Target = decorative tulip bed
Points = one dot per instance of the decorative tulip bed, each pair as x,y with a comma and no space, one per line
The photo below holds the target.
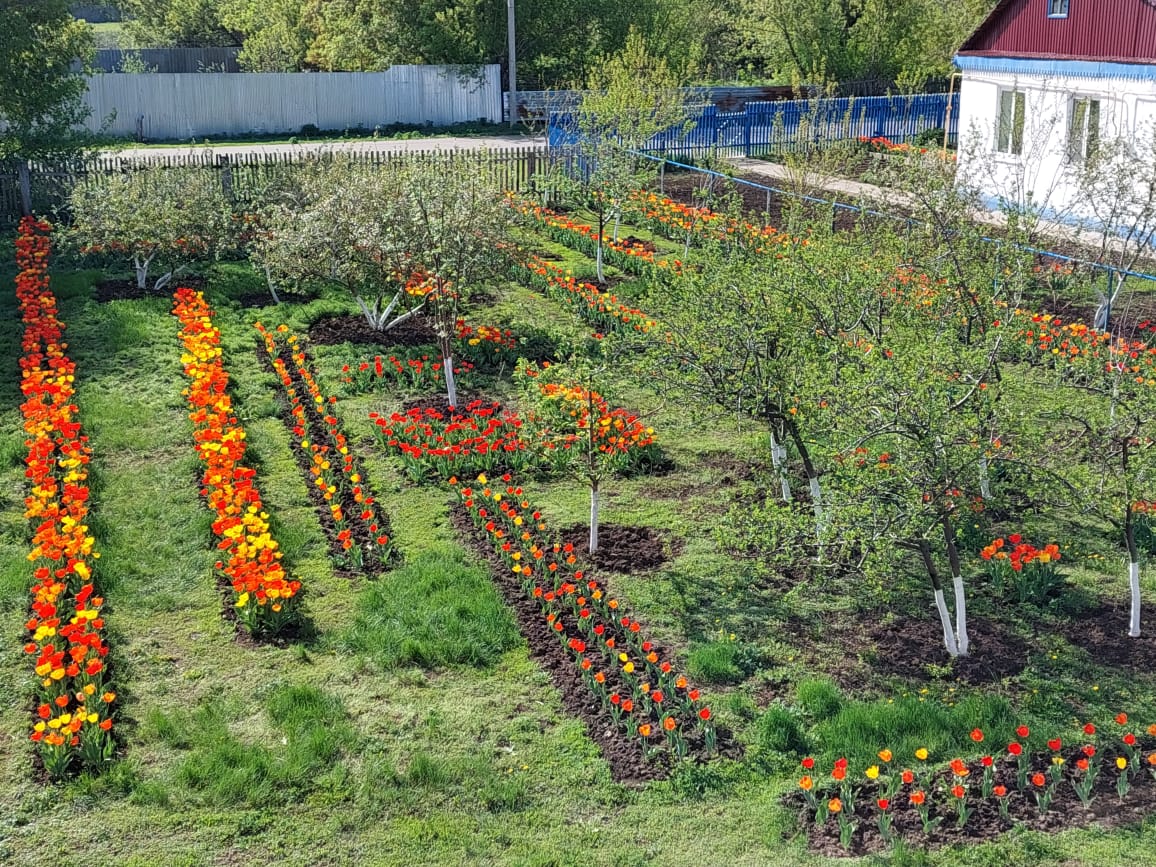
1109,774
264,598
74,696
358,531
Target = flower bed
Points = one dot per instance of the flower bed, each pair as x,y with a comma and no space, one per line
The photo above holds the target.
408,372
664,216
602,310
359,532
73,718
629,255
639,691
1034,781
265,599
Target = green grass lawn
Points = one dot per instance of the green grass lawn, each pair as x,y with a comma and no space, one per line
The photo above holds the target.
415,727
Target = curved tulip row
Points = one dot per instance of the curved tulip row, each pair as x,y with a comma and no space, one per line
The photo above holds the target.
265,598
603,310
1025,780
411,372
638,688
74,698
665,217
629,256
360,530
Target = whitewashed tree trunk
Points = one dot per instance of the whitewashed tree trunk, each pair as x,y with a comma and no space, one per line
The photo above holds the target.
617,223
142,269
984,478
272,287
598,262
593,518
961,639
778,460
1134,586
945,622
451,387
817,506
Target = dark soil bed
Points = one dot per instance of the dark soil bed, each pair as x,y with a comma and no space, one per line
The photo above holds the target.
352,328
994,653
628,762
985,822
1103,632
620,549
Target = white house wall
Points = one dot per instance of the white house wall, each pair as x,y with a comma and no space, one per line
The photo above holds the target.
192,105
1042,174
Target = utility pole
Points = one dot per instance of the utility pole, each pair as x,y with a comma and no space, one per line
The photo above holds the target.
513,63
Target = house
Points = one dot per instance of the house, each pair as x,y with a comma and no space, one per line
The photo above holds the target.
1045,85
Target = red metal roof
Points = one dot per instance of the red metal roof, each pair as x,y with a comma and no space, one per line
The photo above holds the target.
1121,31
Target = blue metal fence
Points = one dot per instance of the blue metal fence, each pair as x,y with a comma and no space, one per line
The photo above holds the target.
774,127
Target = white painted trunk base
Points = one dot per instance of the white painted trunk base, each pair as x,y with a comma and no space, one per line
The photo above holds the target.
451,387
779,460
961,638
593,520
1134,584
817,506
945,622
984,479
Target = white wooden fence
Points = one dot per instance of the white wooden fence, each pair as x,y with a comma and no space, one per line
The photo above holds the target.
181,106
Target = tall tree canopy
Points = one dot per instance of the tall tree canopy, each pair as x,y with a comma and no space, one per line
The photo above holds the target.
41,99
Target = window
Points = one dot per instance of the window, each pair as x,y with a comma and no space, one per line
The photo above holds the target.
1057,8
1009,132
1084,128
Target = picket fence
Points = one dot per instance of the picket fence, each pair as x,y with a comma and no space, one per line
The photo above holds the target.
244,176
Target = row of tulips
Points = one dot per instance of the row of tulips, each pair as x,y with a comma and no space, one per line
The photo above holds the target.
1028,778
637,686
430,443
360,531
674,220
629,255
415,372
264,596
74,697
602,310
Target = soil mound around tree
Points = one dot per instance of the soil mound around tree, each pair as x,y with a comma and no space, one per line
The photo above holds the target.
1103,632
621,549
352,328
906,646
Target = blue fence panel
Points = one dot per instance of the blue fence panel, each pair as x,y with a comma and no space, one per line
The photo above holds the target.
770,127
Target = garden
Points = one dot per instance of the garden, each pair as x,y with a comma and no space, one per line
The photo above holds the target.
397,516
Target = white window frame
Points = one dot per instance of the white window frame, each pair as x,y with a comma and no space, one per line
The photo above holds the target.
1013,125
1058,8
1085,111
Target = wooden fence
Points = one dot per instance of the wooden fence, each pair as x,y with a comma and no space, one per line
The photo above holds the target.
244,176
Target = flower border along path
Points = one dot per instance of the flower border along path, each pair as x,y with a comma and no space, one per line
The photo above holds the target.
74,696
265,599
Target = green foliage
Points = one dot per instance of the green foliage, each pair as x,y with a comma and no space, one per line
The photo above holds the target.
779,731
435,611
860,729
41,99
716,662
159,218
819,697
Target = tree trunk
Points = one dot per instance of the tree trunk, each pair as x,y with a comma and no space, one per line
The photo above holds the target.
593,517
451,387
1133,573
940,602
984,478
617,223
961,638
778,460
812,478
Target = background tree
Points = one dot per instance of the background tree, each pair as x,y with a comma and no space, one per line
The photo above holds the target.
162,219
41,99
162,23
